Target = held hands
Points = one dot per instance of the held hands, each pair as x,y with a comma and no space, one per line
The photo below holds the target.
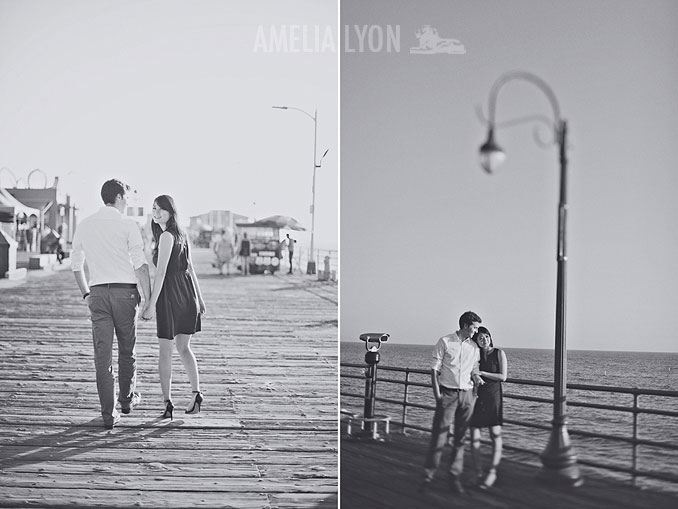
148,312
477,382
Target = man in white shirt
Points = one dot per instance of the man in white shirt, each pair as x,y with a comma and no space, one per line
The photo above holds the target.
454,371
114,250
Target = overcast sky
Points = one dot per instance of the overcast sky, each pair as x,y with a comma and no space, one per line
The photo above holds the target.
427,235
175,97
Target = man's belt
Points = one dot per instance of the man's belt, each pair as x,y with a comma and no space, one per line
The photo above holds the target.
115,285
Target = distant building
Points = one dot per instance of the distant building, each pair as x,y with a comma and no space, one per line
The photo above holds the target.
137,213
57,212
215,219
14,220
201,227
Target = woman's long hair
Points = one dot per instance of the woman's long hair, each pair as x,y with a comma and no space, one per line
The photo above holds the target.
166,202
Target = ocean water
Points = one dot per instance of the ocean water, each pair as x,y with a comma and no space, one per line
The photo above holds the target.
611,369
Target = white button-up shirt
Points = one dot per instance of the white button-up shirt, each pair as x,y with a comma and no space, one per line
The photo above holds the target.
112,245
456,360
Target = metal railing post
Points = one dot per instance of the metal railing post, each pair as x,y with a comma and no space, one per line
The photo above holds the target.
635,437
406,399
372,359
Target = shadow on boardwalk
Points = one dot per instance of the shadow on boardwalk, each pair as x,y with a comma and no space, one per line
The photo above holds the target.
267,435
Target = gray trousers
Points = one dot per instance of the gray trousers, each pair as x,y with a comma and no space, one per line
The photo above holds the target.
455,406
114,310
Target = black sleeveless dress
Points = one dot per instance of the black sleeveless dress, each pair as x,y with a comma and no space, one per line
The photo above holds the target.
488,410
177,310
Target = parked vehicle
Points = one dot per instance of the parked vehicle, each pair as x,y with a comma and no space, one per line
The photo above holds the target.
264,247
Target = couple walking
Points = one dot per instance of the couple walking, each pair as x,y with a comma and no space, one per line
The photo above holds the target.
113,249
466,377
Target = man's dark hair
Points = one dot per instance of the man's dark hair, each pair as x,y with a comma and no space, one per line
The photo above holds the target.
468,318
111,189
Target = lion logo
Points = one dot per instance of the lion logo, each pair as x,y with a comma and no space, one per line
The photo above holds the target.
430,42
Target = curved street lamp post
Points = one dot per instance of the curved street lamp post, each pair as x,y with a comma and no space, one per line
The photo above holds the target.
559,459
310,266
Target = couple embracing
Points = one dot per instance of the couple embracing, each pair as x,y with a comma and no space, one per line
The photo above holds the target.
466,377
112,246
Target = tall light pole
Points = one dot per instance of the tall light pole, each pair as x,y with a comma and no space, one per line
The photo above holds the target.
310,266
559,459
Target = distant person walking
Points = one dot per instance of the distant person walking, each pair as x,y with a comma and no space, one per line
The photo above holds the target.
177,300
53,239
224,251
114,250
453,374
245,254
488,410
290,249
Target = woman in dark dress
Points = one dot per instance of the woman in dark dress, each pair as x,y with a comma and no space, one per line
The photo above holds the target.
487,412
177,301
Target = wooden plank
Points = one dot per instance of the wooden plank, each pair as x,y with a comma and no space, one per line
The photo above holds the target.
267,435
120,497
221,470
108,455
161,481
388,474
183,439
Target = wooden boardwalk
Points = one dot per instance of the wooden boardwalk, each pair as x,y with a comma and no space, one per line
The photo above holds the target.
386,475
267,436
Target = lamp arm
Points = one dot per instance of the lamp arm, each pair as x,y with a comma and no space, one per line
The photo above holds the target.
545,143
319,163
303,111
542,119
541,85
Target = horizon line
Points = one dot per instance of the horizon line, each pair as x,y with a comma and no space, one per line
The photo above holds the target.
534,348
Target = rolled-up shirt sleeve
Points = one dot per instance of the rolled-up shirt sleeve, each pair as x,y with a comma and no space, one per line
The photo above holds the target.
135,245
78,254
438,354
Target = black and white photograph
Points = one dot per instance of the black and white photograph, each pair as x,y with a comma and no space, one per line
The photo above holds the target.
169,253
508,245
368,254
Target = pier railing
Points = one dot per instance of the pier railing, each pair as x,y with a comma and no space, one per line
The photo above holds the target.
302,255
401,392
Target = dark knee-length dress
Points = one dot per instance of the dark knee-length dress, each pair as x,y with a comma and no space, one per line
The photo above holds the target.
488,410
177,309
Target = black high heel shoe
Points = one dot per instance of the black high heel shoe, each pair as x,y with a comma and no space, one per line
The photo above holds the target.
197,401
169,410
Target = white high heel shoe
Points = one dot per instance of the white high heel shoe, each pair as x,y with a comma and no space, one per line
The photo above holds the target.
490,479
